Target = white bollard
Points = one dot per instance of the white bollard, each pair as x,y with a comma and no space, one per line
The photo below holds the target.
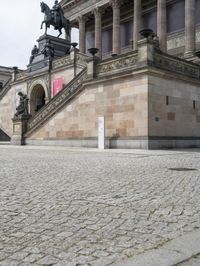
101,133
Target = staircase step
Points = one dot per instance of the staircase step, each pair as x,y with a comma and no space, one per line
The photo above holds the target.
4,142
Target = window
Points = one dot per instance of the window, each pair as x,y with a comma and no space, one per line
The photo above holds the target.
176,16
150,20
106,41
126,33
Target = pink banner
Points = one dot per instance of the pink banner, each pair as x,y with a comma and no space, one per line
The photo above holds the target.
57,85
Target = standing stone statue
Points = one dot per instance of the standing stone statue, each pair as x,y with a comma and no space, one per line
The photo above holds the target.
34,52
22,108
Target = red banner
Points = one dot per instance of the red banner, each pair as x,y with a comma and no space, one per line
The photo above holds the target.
57,85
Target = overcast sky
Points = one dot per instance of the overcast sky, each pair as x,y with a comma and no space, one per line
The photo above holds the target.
20,22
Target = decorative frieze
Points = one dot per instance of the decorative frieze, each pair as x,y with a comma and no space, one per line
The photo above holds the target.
82,59
21,75
110,66
61,62
44,78
175,65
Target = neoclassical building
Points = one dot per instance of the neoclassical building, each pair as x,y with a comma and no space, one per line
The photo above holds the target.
113,26
146,88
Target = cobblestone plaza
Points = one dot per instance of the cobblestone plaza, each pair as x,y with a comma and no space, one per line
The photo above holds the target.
62,206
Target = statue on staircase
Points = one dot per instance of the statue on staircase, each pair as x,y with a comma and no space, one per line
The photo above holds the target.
22,108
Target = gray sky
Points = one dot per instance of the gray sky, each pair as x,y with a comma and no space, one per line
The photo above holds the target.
20,22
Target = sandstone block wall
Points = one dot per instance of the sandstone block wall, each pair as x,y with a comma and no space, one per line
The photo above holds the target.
174,108
122,101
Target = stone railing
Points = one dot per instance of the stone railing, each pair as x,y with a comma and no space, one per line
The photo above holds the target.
177,40
117,64
82,59
57,103
175,65
5,89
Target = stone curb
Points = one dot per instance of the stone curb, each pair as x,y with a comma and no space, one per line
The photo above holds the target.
171,253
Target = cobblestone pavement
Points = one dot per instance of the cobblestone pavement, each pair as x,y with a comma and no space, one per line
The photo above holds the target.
194,261
70,207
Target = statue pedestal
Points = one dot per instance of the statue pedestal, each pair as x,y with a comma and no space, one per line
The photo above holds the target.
19,129
42,61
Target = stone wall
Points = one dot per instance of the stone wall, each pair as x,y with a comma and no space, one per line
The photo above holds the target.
174,111
122,101
7,110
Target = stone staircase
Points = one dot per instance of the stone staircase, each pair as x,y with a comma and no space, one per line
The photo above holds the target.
5,89
3,136
57,103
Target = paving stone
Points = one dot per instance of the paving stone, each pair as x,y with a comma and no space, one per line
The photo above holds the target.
68,206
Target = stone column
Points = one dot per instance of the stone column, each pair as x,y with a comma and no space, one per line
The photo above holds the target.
162,24
136,22
81,21
189,28
98,31
116,26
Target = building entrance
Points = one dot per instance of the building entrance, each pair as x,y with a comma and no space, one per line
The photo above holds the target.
37,99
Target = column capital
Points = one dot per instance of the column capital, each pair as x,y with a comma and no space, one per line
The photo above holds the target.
115,3
97,12
81,19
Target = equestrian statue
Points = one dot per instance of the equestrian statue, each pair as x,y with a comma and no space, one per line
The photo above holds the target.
56,18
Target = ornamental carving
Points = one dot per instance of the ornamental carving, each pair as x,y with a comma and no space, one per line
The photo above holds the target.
175,65
117,64
115,3
21,75
44,78
82,59
61,62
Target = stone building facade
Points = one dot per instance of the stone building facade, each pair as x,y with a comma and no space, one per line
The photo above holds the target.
113,25
149,94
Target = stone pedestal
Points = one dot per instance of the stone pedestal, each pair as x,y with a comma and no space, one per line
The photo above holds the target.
19,129
91,67
42,62
146,50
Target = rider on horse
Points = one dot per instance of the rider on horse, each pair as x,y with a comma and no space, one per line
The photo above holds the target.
58,14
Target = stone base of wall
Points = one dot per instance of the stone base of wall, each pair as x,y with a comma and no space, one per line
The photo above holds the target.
92,143
4,136
174,143
155,143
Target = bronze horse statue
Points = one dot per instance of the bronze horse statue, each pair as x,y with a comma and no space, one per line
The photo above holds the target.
55,18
